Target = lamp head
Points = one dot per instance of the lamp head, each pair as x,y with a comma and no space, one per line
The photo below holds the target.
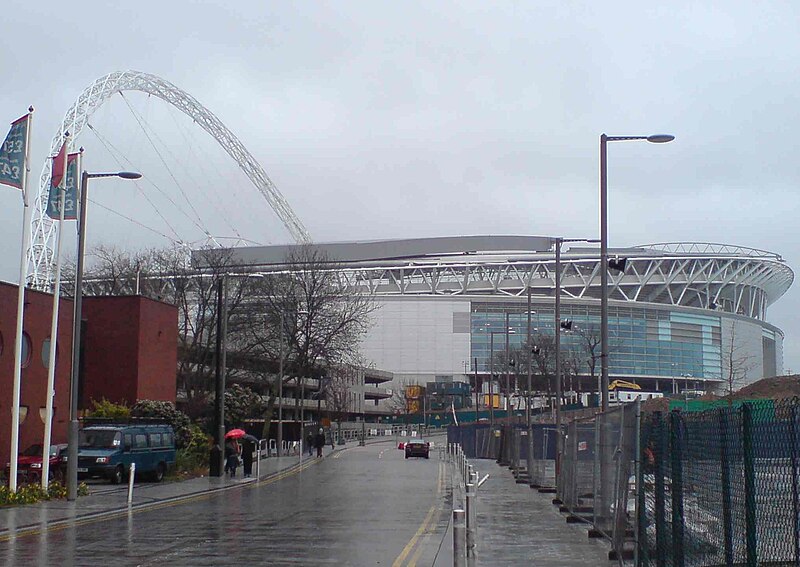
660,138
129,174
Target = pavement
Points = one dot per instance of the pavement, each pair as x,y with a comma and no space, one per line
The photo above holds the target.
520,526
362,507
105,499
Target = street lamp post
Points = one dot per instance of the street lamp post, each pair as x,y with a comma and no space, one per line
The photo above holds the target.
604,139
508,370
280,386
529,370
303,392
603,499
72,451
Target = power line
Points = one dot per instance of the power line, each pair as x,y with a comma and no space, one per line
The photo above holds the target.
134,221
109,146
111,149
164,162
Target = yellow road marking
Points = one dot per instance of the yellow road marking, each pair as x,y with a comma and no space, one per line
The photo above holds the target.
432,527
422,528
64,524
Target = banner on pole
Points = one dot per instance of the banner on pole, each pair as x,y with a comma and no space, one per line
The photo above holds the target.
12,153
71,195
58,166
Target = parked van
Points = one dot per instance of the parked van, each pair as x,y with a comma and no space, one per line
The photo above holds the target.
108,449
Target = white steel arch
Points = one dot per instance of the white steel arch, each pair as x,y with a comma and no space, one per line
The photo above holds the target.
40,254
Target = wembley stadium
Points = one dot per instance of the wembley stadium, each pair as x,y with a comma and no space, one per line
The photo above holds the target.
682,316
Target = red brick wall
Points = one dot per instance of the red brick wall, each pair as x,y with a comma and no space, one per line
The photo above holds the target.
110,350
158,351
130,349
37,319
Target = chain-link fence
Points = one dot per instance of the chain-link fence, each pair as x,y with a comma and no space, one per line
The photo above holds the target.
542,461
721,487
576,474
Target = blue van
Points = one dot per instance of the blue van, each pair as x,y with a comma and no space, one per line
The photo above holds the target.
107,450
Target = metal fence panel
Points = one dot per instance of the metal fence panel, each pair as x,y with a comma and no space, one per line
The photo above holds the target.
721,487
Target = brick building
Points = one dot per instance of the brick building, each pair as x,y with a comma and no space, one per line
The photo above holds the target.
129,353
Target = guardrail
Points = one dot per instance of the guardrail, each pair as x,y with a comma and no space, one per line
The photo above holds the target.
464,480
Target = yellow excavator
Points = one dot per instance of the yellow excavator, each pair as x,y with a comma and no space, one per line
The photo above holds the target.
623,385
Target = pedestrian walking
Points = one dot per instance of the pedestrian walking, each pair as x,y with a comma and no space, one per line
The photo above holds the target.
310,443
319,442
231,457
247,457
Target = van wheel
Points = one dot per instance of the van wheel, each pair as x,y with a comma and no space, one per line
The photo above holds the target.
118,475
158,475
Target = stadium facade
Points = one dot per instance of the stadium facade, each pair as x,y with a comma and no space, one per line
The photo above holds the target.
680,315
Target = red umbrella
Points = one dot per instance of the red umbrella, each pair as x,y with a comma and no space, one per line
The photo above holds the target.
235,434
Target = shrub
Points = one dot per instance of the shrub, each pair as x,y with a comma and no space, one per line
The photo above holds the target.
32,493
111,410
241,403
196,453
57,490
168,412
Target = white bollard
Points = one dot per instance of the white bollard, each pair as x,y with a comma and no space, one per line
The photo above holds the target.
471,527
131,476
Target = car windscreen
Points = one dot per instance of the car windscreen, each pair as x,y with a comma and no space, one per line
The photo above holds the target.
33,451
99,439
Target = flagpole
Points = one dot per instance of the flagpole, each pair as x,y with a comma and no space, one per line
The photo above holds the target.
51,359
23,265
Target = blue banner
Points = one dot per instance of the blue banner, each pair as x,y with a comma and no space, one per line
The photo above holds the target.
12,153
71,195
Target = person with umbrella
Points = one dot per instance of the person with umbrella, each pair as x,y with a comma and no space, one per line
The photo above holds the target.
248,446
232,450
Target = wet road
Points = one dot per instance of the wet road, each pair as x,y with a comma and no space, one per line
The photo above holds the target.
362,506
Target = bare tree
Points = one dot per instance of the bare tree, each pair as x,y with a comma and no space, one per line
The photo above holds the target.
307,316
339,398
736,363
543,353
399,402
304,316
592,351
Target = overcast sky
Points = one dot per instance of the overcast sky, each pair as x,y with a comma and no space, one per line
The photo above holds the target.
383,120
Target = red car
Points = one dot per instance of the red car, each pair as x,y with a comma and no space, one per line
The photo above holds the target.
29,462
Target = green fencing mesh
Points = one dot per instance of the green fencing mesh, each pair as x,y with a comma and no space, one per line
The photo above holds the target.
720,487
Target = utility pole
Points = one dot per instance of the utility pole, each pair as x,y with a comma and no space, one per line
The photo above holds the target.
280,386
508,371
491,378
477,405
529,356
219,371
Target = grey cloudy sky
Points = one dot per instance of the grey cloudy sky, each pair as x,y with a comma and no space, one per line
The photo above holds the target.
380,120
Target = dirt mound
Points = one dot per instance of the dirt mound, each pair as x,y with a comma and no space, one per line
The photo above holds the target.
656,404
776,388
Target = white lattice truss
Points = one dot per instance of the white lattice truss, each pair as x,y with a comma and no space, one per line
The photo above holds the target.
731,279
40,254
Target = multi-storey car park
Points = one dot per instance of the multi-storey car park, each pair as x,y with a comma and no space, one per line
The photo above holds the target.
679,315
